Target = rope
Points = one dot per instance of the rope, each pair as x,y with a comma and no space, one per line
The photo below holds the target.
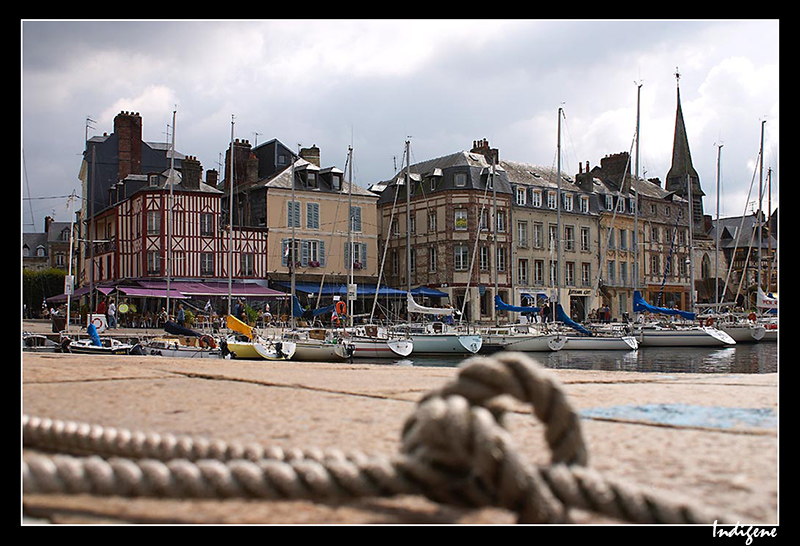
454,450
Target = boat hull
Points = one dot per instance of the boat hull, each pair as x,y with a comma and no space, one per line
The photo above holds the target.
366,347
744,333
311,351
275,350
446,343
601,343
687,337
525,342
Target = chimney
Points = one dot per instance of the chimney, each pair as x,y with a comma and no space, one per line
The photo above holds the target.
128,128
482,147
47,221
311,155
191,170
212,177
241,153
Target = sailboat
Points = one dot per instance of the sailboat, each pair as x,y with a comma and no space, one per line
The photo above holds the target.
439,337
246,343
526,337
183,342
672,334
317,344
370,340
578,337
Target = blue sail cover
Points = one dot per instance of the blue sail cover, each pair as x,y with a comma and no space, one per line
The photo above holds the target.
298,311
563,317
639,306
500,305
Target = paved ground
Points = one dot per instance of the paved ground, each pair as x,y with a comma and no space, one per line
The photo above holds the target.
712,439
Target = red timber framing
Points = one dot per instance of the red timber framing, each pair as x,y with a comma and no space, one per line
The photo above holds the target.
199,241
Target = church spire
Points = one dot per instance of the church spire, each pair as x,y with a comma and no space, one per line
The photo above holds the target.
682,167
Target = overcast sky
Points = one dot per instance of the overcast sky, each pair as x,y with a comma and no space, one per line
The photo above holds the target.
374,83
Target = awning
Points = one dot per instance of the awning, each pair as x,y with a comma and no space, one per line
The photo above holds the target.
429,292
339,289
150,292
197,289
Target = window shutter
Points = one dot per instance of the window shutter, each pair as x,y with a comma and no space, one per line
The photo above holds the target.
284,248
304,253
348,263
321,253
363,255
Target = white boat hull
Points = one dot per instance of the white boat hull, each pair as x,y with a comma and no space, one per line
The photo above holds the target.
368,347
601,343
275,350
701,336
525,342
321,351
744,333
446,343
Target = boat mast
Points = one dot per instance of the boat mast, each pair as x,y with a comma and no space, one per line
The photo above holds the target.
408,217
350,237
494,230
169,210
636,196
230,223
760,197
558,219
292,259
716,254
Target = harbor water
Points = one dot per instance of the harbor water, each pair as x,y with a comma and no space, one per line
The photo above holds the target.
744,358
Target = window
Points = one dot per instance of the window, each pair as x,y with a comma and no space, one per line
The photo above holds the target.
567,201
623,273
538,272
537,198
609,202
522,233
484,258
460,180
432,259
207,263
569,274
484,223
413,224
312,215
569,238
552,237
583,203
336,182
586,274
432,222
413,262
461,257
153,263
612,268
248,261
359,260
152,180
311,180
460,219
521,196
654,235
293,213
501,221
395,229
206,223
551,200
522,271
153,222
501,258
620,205
538,235
585,238
355,218
395,262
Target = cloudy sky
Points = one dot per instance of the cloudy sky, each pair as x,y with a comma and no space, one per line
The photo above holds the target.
375,83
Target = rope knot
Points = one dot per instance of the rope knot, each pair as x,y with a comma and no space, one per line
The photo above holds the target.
456,444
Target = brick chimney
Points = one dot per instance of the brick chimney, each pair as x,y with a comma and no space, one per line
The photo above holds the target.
244,169
212,177
128,128
311,155
482,147
192,170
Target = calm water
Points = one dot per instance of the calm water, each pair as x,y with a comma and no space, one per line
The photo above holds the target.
743,358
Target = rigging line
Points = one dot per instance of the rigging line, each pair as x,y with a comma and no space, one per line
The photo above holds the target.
28,186
383,258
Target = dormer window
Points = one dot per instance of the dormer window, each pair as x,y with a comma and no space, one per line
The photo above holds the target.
336,182
460,180
152,180
522,195
311,180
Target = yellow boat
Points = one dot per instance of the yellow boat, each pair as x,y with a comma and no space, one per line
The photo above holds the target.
254,347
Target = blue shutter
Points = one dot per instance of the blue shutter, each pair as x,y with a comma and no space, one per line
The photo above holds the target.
363,255
304,253
321,245
284,246
348,263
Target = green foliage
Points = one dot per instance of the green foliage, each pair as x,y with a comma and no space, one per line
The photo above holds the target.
250,314
40,285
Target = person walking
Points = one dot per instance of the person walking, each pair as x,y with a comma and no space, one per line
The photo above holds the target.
181,318
111,313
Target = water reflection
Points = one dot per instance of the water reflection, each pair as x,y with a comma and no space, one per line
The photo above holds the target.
743,358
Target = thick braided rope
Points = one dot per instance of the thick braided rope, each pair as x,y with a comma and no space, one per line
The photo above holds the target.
454,451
